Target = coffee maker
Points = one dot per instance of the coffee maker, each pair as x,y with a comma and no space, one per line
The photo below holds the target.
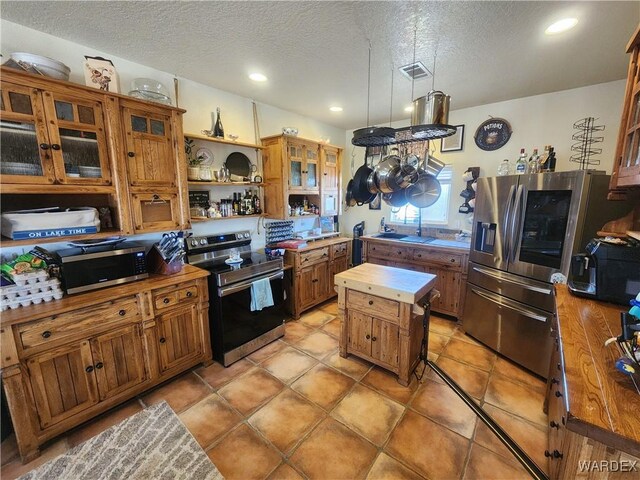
607,272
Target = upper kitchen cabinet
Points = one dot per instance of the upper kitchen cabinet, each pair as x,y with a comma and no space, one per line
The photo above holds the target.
150,159
53,135
296,166
626,169
330,161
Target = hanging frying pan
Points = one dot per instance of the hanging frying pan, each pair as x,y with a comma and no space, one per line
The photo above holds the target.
360,189
396,199
350,201
424,192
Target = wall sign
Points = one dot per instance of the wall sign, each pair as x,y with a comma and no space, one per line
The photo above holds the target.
493,134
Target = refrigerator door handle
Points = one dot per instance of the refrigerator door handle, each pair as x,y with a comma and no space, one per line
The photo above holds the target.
515,223
506,238
488,273
502,303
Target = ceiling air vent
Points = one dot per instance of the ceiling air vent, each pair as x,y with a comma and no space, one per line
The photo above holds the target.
415,71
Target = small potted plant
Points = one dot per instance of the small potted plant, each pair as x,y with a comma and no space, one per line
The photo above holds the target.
194,161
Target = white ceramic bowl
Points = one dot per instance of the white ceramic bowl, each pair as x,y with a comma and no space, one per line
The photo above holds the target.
48,66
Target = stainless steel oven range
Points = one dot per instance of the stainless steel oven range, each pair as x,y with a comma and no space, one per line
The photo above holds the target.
236,330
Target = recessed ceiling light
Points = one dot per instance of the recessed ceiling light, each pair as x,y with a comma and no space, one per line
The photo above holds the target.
335,109
258,77
561,26
409,108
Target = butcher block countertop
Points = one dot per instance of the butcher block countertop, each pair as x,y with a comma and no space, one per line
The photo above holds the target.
603,403
320,243
388,282
80,300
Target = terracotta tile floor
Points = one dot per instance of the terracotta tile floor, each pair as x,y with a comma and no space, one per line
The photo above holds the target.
296,409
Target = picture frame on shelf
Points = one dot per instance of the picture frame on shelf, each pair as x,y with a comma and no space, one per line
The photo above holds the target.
455,142
100,73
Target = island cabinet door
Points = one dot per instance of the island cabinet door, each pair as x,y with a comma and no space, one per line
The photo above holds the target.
63,381
118,361
179,339
385,342
359,336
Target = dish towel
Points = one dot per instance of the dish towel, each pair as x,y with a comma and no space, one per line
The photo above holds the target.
261,296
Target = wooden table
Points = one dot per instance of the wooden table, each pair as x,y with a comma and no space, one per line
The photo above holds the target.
375,307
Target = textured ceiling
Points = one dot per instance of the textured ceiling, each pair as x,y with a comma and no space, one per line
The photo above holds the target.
315,53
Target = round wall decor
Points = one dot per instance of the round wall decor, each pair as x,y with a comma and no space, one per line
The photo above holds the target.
493,134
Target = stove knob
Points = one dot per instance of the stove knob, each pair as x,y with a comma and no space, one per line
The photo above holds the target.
203,241
246,235
194,242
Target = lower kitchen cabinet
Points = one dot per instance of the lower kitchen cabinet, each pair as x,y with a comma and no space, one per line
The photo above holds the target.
375,338
449,265
67,361
312,271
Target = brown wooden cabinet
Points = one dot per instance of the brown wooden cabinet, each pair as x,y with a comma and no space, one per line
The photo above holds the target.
67,361
296,166
313,269
449,265
374,337
626,167
67,145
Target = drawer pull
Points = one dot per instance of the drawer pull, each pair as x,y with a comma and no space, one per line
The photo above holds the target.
553,424
554,380
314,280
89,369
370,302
452,260
46,334
99,365
557,454
162,340
548,454
189,294
122,313
165,300
305,259
558,393
419,255
131,154
324,254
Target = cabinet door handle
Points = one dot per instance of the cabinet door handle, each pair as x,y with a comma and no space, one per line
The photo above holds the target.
419,255
55,146
89,369
548,454
558,394
44,146
165,300
99,365
162,340
324,254
452,260
553,424
131,154
189,294
122,313
367,336
46,334
373,339
554,380
370,302
557,454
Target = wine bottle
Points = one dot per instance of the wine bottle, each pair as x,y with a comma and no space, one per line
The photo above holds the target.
256,203
521,163
534,162
218,130
551,161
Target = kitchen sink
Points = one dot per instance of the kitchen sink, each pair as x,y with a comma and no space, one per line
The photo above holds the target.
416,239
395,236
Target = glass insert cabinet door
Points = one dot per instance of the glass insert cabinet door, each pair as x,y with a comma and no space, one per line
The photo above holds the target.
296,162
78,139
149,156
311,169
25,154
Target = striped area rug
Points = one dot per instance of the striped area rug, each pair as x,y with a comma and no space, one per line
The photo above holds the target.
152,444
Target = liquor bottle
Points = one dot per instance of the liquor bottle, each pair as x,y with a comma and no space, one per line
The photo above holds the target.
256,203
504,168
218,130
241,206
521,163
543,158
248,208
551,160
534,162
236,204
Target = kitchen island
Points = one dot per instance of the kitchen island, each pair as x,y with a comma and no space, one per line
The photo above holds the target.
446,259
66,361
377,319
593,408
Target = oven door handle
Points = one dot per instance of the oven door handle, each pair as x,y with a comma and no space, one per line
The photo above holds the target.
223,292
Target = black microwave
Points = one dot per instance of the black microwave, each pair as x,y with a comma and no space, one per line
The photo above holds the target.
98,267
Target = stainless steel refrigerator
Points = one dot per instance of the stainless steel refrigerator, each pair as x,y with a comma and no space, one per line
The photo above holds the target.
526,229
